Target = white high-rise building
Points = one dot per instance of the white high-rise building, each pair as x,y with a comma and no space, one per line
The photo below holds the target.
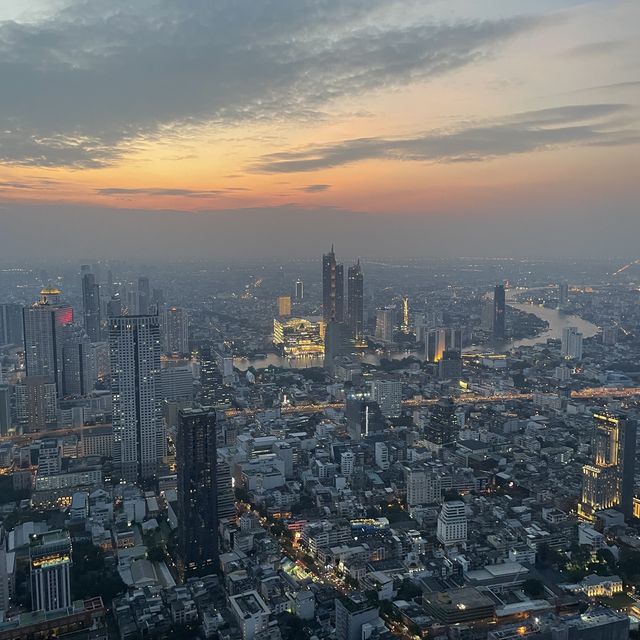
452,523
138,433
50,561
388,395
175,330
347,463
571,344
423,486
382,456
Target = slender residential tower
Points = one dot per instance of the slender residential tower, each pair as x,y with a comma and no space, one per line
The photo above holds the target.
138,434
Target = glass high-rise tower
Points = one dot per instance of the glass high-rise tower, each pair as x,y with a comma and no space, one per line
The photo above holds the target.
196,459
45,324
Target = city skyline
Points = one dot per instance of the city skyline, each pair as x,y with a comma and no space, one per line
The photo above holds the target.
415,128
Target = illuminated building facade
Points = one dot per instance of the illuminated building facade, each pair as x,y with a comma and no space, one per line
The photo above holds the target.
284,306
437,341
44,325
332,288
355,300
609,480
405,325
297,337
138,433
50,563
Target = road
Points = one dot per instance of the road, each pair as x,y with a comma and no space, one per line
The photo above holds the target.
594,393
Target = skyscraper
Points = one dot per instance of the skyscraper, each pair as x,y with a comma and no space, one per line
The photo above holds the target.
452,523
284,306
405,324
35,403
332,288
175,330
5,407
385,324
134,345
355,300
336,343
363,416
44,326
197,490
79,372
563,294
571,347
50,563
144,296
10,324
437,341
91,306
388,394
213,391
299,290
609,480
499,311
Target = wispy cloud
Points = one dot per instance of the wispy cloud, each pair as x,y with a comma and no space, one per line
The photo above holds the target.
165,192
316,188
81,87
591,124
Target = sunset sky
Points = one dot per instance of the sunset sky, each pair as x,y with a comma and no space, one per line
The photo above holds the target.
474,127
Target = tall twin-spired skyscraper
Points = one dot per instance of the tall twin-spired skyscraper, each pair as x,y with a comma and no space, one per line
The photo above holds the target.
332,288
134,344
333,294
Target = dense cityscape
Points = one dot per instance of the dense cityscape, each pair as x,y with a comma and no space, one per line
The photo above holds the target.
319,320
423,448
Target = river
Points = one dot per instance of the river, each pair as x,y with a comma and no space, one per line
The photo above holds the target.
557,322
